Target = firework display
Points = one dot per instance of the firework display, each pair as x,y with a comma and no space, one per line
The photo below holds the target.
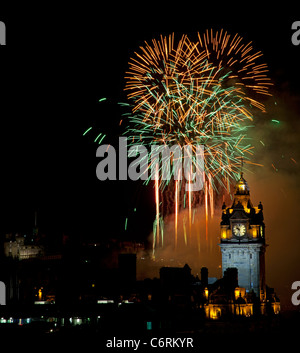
195,93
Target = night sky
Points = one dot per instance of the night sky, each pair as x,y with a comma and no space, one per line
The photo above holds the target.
56,66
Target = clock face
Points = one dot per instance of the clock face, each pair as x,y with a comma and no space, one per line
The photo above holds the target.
239,230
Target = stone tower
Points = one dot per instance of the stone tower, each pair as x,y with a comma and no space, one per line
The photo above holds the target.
243,240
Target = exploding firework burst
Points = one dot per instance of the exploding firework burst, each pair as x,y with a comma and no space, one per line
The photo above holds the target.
180,97
196,93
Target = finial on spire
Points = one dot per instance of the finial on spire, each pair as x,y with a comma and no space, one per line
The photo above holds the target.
242,165
241,187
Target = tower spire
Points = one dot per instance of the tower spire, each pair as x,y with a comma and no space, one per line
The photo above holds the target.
241,187
242,165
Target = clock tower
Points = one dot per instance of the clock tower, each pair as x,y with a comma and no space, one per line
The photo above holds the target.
243,240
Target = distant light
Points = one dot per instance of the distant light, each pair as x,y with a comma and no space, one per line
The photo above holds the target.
105,301
275,121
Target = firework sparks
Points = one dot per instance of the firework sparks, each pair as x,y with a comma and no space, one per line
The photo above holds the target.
195,93
240,60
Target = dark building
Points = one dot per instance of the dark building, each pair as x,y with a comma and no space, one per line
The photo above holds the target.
127,268
96,282
176,285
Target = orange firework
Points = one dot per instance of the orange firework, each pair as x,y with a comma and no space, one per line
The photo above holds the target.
232,54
